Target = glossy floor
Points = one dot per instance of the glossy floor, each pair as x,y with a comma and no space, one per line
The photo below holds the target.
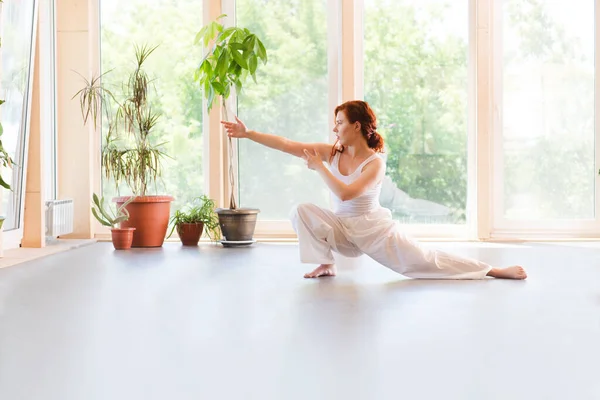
241,323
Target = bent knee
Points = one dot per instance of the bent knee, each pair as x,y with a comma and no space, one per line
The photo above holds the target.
300,210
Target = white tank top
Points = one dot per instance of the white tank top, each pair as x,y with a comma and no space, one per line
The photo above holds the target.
366,202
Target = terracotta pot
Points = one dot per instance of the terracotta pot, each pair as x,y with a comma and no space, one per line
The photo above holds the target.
190,233
149,215
122,237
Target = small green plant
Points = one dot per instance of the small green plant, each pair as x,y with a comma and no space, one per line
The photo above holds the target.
201,210
232,56
106,216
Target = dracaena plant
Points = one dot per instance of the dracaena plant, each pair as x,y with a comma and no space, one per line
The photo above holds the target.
128,154
232,54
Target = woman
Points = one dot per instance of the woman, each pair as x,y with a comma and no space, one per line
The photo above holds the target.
359,225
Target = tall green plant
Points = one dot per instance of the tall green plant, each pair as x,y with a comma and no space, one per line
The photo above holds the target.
233,54
128,153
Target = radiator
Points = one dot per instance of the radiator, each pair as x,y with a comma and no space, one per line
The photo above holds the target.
59,217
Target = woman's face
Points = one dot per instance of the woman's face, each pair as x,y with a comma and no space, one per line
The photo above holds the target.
346,132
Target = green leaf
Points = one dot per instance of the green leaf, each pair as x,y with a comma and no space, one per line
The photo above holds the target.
210,33
238,86
4,184
121,218
206,67
200,34
223,71
239,59
262,53
104,211
210,97
95,199
100,219
237,46
237,70
221,66
225,34
218,87
252,63
249,42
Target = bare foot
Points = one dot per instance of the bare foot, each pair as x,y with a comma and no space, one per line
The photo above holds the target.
322,270
514,272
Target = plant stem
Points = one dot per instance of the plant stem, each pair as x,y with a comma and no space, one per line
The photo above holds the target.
232,204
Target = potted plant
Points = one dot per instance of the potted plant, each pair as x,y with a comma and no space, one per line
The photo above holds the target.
130,153
191,223
232,56
121,236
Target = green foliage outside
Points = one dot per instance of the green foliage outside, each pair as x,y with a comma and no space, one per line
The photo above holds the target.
416,77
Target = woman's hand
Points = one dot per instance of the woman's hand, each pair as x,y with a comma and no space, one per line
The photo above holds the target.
313,160
235,129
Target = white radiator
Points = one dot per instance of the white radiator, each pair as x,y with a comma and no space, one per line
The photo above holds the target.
59,217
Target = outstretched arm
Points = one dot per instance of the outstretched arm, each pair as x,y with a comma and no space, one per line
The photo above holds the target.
238,130
372,173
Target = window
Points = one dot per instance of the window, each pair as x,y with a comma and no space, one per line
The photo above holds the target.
172,26
291,100
547,102
17,54
416,79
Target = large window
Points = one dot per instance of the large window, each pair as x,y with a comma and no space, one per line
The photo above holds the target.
290,100
416,79
487,104
16,72
172,26
547,101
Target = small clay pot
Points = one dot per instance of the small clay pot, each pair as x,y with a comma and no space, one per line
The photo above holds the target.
122,238
190,233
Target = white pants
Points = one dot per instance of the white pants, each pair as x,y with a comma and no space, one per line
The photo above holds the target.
377,235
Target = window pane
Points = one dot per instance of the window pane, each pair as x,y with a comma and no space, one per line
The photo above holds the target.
548,109
415,74
290,100
172,26
16,34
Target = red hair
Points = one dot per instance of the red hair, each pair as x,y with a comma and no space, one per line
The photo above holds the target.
360,111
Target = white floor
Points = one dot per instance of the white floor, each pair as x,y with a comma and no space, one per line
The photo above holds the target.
213,323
